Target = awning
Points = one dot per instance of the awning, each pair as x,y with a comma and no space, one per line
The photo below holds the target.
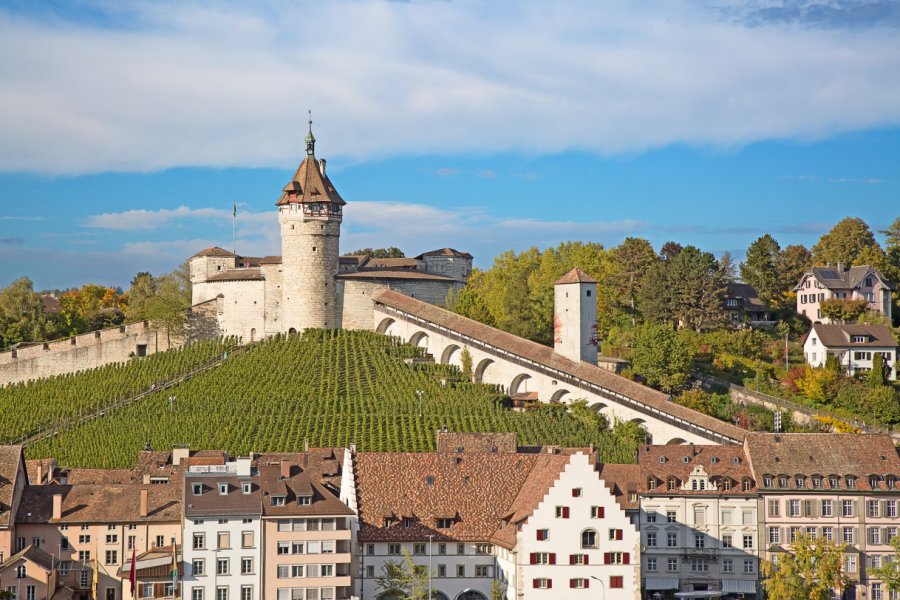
739,586
700,594
661,583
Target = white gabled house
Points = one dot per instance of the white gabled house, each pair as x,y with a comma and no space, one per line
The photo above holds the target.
854,346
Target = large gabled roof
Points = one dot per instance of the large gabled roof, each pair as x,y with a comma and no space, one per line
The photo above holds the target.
10,461
840,278
837,336
309,184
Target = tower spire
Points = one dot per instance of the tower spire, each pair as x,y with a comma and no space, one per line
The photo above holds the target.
310,139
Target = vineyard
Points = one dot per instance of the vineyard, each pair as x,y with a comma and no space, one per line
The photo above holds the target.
27,409
326,388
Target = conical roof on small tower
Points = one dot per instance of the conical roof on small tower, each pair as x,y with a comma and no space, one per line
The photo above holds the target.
310,183
576,275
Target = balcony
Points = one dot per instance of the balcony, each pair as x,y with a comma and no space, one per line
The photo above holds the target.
712,553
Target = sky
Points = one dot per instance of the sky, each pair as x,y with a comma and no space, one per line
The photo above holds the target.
128,129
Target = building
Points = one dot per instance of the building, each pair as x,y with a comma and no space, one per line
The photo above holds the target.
31,574
853,346
861,282
744,306
842,487
307,529
310,284
14,478
699,519
223,531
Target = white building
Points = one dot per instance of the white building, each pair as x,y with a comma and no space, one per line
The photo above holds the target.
222,532
854,347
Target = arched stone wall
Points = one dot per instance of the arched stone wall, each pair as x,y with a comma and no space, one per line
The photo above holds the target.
482,368
385,325
519,384
450,352
561,396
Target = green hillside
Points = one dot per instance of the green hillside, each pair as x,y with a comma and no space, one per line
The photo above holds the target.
327,388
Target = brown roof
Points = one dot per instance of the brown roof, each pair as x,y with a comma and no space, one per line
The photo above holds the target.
445,252
300,483
46,466
309,184
823,454
474,490
833,336
650,398
323,464
210,502
51,303
100,503
679,461
746,296
545,471
10,461
237,275
392,263
576,275
367,273
450,441
840,278
214,251
31,553
622,481
100,476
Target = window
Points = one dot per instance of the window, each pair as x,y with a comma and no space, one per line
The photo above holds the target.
481,571
419,549
828,533
576,492
727,565
672,564
651,517
827,508
774,535
876,591
224,540
246,592
774,508
283,571
793,508
578,559
589,538
222,566
875,535
699,565
890,507
198,566
851,483
112,539
84,539
20,572
670,516
562,512
671,540
847,508
197,489
800,482
112,557
890,533
811,533
223,489
746,484
284,548
847,535
793,532
749,566
817,482
578,583
726,540
441,571
651,539
699,540
543,558
767,481
615,534
651,564
84,555
543,534
460,570
442,548
278,500
672,484
850,563
444,523
598,512
616,582
748,541
110,594
394,549
160,541
460,548
296,571
872,508
246,539
304,500
782,481
542,583
246,566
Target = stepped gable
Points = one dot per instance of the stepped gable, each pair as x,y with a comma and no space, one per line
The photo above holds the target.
546,470
445,252
622,481
825,455
472,490
10,459
576,275
214,251
309,184
547,357
451,441
679,461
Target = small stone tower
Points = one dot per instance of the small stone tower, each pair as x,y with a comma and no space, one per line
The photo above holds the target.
575,316
309,212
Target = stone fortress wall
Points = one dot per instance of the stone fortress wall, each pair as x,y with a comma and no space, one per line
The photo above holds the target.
81,352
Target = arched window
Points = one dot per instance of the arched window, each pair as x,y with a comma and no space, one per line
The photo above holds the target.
651,483
673,483
588,538
20,572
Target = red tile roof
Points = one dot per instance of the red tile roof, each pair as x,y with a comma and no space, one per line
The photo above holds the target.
576,275
309,184
718,461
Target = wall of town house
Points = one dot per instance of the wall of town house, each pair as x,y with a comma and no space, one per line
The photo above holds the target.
473,555
816,354
37,578
210,553
81,352
564,538
517,379
48,537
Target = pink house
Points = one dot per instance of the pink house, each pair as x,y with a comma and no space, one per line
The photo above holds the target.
858,283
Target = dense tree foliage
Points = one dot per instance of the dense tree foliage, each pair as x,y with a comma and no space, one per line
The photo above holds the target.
633,259
811,570
685,290
662,358
843,310
22,317
391,252
850,242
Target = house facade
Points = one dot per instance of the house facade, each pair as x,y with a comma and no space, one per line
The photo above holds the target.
861,282
744,306
853,346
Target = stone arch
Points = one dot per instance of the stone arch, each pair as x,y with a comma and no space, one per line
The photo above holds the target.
252,335
385,325
676,441
519,384
638,420
597,406
481,368
292,331
420,339
447,354
561,396
471,594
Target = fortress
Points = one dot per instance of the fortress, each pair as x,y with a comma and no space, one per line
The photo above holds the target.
311,285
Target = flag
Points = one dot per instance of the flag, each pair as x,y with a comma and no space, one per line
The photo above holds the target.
96,578
174,569
132,577
234,209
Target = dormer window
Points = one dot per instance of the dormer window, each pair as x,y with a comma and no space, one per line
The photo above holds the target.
746,485
726,484
800,481
444,523
873,482
782,482
223,489
817,482
304,500
767,481
278,500
246,487
851,483
662,460
833,482
197,488
859,339
732,302
736,460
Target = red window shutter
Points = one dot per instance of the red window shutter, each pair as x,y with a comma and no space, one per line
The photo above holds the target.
549,583
585,559
626,558
618,534
606,558
553,558
587,582
571,583
535,583
533,558
601,511
565,512
571,559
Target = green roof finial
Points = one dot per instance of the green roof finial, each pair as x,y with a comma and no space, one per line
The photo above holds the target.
310,139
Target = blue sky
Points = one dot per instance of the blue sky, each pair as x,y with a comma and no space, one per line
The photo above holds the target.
128,129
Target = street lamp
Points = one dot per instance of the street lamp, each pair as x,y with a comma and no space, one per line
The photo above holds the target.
602,585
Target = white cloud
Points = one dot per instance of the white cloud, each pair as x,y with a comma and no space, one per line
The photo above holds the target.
157,85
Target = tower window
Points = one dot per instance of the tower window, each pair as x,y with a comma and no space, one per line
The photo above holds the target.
588,293
314,248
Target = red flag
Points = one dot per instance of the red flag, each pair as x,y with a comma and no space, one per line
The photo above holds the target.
131,576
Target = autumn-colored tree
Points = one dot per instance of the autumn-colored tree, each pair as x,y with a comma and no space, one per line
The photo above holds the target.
850,242
843,310
404,579
22,317
889,571
810,570
662,358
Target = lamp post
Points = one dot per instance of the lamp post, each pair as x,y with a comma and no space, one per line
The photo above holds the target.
602,586
430,537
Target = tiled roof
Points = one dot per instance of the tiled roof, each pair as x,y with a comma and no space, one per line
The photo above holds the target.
51,304
747,297
237,275
576,275
547,357
718,461
46,466
10,459
835,278
323,464
450,441
445,252
823,454
300,483
833,336
622,481
309,184
367,273
392,263
214,251
100,503
474,490
33,554
211,502
100,476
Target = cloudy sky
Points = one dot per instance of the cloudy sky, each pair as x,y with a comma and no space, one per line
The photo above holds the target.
127,130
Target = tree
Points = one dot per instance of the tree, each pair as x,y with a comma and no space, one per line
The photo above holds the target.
670,250
698,289
164,301
889,571
843,310
662,358
22,316
877,378
633,259
793,262
405,579
655,298
727,268
466,361
760,268
810,571
392,252
846,242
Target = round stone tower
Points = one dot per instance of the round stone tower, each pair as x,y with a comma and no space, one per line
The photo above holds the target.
309,212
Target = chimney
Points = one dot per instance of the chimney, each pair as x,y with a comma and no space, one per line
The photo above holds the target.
305,460
40,474
840,267
285,469
57,506
144,511
322,165
179,454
